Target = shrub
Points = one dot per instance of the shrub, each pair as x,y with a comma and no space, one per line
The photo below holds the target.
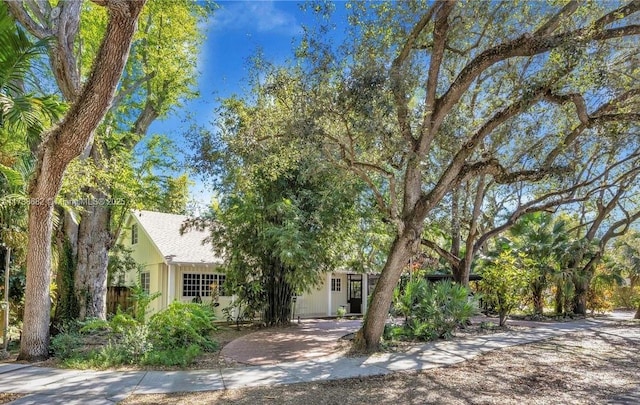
173,337
135,343
183,325
95,325
341,312
627,297
504,283
122,322
65,344
431,311
179,356
141,300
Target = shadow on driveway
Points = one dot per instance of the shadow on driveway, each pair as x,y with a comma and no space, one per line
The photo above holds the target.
311,339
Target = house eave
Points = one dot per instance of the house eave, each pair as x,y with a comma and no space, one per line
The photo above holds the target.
193,264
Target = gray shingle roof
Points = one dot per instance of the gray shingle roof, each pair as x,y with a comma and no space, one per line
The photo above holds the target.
164,231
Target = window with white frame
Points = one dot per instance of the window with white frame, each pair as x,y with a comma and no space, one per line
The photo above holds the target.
145,282
191,285
134,234
194,284
336,284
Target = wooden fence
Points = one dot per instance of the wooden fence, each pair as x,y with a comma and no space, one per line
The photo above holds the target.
118,297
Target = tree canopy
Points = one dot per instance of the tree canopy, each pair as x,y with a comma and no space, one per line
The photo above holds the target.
424,99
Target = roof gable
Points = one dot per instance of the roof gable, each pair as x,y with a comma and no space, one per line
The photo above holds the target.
164,231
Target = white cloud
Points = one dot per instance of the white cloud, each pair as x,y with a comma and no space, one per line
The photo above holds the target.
257,16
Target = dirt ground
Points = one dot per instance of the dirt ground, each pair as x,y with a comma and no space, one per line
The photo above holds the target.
586,367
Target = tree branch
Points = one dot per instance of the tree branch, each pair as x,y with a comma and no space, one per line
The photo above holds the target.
552,23
577,99
395,76
529,45
448,256
21,14
440,30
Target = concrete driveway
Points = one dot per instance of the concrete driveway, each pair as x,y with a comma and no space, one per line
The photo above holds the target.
311,339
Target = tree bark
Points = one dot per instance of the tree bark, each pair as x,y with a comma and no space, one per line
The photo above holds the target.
94,242
34,345
538,301
61,145
559,298
455,222
95,237
5,318
637,316
503,319
368,338
66,307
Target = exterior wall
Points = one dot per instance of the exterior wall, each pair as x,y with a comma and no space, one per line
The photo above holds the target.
144,252
314,304
224,301
146,255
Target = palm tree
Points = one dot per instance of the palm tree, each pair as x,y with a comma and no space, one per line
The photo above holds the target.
23,115
545,242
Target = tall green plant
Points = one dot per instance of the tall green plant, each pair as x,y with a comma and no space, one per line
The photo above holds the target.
432,310
504,283
544,242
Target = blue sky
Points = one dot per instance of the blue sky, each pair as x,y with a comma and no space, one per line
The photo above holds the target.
237,30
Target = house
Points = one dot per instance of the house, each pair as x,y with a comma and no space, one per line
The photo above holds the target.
182,268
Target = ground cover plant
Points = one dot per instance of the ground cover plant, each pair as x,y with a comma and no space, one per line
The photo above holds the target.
175,336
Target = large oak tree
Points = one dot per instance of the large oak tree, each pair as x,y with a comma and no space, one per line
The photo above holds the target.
424,97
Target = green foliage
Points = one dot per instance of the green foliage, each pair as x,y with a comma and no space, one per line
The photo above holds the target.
341,312
66,308
95,325
141,300
182,325
249,302
120,263
23,114
279,232
179,356
122,322
176,195
66,344
431,310
174,337
627,297
504,283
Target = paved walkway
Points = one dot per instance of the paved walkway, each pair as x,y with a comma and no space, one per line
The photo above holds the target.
311,339
55,386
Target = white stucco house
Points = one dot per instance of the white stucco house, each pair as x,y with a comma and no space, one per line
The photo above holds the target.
182,268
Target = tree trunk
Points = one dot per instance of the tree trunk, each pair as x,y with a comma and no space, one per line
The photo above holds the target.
559,299
5,318
503,319
62,144
94,242
455,222
462,271
368,338
580,297
34,345
538,301
637,316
